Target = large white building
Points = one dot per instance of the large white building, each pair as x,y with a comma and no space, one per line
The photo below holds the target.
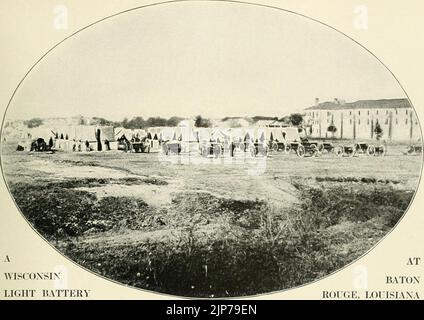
358,120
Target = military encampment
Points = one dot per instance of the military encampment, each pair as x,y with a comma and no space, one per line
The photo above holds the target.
210,149
185,199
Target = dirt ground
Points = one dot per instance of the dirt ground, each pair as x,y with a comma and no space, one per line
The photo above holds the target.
170,187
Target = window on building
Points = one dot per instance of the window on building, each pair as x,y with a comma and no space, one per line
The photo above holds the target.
387,121
368,112
406,121
359,112
368,121
350,113
406,111
387,111
359,121
396,111
376,112
350,121
396,121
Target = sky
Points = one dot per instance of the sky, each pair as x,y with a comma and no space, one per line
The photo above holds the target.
209,58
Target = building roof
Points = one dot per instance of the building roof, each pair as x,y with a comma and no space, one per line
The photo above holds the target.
363,104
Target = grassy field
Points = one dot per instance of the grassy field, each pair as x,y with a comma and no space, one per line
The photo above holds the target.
214,227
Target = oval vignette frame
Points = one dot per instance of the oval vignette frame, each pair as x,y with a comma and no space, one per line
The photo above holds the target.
214,1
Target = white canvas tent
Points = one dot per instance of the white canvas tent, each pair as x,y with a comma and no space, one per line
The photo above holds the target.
129,133
186,134
167,134
203,134
220,134
275,134
43,132
237,134
291,133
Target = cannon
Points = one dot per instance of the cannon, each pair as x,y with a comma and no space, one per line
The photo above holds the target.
327,147
413,149
360,148
305,148
276,146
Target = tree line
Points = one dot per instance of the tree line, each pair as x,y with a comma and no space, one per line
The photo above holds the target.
141,123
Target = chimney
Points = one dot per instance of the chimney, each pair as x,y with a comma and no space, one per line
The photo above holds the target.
316,102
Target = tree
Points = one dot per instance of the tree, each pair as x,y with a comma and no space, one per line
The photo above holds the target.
156,122
102,121
285,119
332,128
258,118
136,123
34,123
378,131
173,121
202,122
296,119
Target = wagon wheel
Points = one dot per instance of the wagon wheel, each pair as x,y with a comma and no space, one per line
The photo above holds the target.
320,147
410,150
338,151
287,148
314,150
274,147
371,150
382,150
167,150
300,151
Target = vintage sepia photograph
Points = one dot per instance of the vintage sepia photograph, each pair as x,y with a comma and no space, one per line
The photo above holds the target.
211,149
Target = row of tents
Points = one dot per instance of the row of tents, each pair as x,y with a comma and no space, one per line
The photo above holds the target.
193,134
106,137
